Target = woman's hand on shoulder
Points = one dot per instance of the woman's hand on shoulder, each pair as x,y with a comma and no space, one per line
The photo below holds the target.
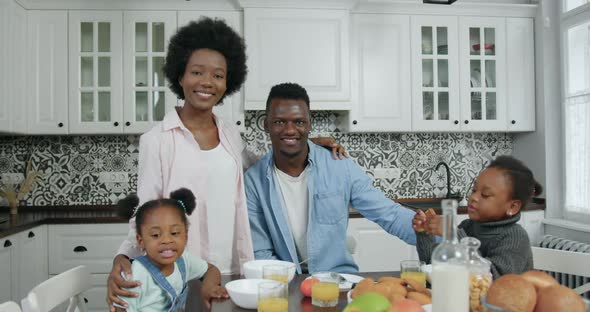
338,150
116,282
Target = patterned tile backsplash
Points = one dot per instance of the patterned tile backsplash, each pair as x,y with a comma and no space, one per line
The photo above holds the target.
71,166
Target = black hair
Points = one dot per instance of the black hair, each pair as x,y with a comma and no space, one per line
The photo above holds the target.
524,186
182,199
206,33
287,90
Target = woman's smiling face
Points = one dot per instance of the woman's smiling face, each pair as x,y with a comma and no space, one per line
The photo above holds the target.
204,80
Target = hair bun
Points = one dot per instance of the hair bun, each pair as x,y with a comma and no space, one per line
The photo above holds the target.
126,206
538,190
186,197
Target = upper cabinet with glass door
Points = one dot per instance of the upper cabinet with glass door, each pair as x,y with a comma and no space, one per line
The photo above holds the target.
482,57
435,82
146,95
95,72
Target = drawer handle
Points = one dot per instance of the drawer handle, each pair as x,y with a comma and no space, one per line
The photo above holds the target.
31,234
80,249
85,300
7,243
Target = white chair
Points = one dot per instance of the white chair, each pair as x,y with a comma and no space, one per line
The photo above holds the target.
9,306
561,261
58,289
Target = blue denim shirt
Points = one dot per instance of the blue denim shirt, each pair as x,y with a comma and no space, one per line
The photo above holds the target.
333,185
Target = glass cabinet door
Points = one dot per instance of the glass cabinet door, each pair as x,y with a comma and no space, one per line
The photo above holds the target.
95,80
147,97
435,85
482,59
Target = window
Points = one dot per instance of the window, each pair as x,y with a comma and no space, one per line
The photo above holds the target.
575,34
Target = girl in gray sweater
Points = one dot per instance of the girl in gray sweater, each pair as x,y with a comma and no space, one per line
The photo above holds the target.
498,195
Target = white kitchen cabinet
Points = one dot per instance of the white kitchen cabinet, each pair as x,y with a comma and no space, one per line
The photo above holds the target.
47,52
24,263
381,88
232,108
435,74
147,97
32,262
92,245
377,250
95,72
306,46
520,74
482,63
13,25
8,269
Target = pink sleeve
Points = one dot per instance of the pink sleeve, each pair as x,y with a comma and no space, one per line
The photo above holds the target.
149,186
149,168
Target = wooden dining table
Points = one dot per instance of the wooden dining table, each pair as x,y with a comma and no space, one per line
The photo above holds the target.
297,302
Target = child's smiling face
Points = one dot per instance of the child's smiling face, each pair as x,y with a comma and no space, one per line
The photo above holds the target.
163,236
491,197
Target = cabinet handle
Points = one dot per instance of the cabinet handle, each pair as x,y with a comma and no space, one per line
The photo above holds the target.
238,122
128,124
456,122
7,243
513,122
80,249
116,123
31,234
466,121
85,300
61,124
354,122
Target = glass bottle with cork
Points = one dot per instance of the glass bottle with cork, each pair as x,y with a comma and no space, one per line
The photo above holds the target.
450,272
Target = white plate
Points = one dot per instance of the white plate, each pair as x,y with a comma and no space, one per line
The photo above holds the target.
426,307
347,284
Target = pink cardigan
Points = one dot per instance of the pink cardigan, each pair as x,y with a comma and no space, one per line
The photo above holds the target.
170,158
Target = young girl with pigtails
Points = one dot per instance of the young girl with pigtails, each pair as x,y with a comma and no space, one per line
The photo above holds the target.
165,266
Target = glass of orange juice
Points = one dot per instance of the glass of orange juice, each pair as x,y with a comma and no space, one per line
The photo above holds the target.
325,293
273,296
412,269
279,273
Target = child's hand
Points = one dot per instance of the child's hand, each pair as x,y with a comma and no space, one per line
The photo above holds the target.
419,221
213,292
434,225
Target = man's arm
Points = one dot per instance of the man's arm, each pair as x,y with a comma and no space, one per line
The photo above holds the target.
375,206
261,240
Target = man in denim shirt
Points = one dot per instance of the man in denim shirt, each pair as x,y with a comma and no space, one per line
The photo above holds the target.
298,196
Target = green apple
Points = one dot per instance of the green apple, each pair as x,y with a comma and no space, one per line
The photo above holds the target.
368,302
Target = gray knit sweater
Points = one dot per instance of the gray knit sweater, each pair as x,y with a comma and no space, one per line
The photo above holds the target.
505,243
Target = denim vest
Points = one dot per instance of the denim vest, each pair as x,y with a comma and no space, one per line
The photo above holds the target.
178,300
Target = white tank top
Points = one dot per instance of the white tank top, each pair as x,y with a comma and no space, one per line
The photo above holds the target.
221,194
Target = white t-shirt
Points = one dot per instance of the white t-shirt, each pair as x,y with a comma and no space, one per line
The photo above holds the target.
221,193
152,298
295,201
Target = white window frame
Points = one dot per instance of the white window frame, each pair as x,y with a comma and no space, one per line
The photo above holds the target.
568,20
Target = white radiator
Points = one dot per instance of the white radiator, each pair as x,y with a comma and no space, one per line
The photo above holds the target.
560,243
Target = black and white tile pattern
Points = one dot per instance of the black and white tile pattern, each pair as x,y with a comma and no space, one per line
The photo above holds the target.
71,165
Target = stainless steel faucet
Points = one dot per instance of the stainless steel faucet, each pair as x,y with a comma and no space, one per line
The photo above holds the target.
449,192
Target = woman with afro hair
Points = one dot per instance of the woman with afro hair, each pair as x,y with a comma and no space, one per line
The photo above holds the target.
195,149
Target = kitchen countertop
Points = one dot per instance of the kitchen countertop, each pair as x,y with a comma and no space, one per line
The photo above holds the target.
535,204
30,217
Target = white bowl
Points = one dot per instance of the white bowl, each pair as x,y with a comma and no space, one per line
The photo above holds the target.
253,269
244,292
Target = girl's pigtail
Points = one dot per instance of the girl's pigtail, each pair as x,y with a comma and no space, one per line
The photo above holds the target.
185,198
126,207
538,189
